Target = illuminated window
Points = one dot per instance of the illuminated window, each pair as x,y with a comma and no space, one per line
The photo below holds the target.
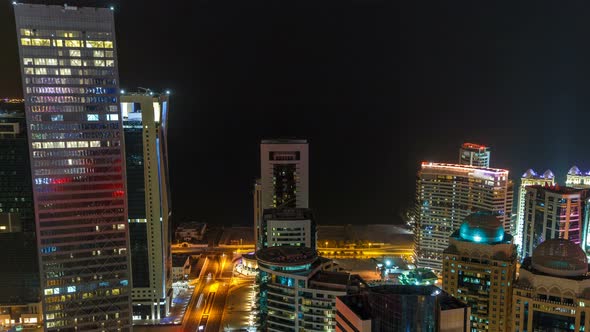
99,63
76,62
75,53
29,71
58,43
110,63
92,117
98,54
95,144
73,43
71,289
65,71
95,44
40,71
57,117
28,61
40,42
108,44
112,117
25,41
109,54
26,32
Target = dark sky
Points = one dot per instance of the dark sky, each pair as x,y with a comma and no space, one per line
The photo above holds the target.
375,86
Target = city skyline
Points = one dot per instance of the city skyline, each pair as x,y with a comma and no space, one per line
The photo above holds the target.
225,96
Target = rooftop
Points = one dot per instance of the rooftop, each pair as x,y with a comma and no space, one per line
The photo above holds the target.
560,257
340,278
557,189
287,255
474,146
284,141
482,227
531,174
463,168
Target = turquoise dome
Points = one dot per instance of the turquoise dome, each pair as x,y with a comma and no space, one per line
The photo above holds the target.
482,227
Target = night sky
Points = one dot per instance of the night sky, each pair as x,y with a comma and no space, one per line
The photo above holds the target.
375,87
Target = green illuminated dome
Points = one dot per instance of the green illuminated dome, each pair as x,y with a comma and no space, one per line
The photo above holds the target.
482,227
560,257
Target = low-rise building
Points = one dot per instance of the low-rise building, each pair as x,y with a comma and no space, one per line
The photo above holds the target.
190,232
181,267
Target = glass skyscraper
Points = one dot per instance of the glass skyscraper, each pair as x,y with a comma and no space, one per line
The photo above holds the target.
70,81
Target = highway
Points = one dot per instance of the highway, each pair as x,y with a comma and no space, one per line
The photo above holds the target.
205,309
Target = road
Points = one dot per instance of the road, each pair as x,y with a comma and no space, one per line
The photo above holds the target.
205,309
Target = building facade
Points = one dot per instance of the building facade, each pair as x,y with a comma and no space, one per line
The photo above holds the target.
552,292
258,209
297,292
445,195
576,179
70,80
553,212
145,118
479,267
401,308
529,178
288,227
474,155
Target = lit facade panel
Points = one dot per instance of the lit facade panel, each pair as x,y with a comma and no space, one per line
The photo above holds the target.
70,82
553,212
474,155
288,227
446,194
145,117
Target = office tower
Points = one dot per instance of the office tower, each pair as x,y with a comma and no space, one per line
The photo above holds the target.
479,267
551,293
576,179
20,301
529,178
70,82
288,227
446,194
257,213
553,212
284,173
297,293
474,155
401,308
284,179
145,117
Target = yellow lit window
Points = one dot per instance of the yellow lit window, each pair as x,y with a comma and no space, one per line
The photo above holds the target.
108,44
51,62
29,71
26,32
75,53
116,291
73,43
76,62
28,61
25,41
94,44
65,71
98,54
109,54
110,63
99,63
95,144
40,42
58,43
40,71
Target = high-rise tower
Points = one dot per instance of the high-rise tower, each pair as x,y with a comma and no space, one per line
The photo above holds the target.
474,155
70,80
145,118
529,178
446,194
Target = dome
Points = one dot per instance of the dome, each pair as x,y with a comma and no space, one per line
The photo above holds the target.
574,171
560,257
548,175
482,227
530,173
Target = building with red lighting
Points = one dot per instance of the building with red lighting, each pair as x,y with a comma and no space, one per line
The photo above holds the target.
474,155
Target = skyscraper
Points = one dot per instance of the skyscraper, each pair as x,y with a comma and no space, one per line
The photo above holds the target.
551,293
284,181
446,194
553,212
479,267
70,82
529,178
145,117
474,155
